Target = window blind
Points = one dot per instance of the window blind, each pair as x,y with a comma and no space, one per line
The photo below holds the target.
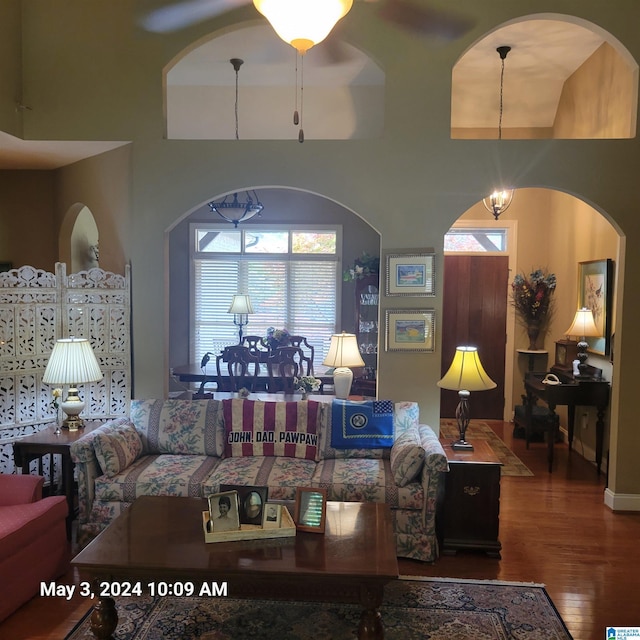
292,293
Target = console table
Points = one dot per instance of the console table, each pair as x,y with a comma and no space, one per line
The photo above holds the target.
587,391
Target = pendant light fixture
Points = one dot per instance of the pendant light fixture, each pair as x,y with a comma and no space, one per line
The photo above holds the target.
236,211
302,24
498,202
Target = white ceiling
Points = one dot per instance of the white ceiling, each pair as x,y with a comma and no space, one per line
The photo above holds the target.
269,61
545,52
47,154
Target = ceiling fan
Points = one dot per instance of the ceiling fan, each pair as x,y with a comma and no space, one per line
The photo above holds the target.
412,15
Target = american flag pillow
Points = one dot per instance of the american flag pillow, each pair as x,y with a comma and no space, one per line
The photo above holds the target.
257,428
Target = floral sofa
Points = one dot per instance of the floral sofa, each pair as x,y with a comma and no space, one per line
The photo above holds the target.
191,447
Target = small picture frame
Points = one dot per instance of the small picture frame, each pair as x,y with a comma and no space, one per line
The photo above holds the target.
311,509
251,502
271,515
224,511
411,274
410,330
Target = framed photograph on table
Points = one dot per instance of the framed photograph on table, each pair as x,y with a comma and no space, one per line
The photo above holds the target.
271,516
410,330
595,292
223,511
411,274
251,501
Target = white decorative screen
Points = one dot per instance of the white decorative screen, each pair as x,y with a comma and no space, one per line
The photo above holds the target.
37,308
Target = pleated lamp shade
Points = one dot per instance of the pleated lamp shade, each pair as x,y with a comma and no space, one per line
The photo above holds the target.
72,362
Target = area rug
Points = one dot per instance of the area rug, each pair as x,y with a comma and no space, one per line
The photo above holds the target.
413,609
511,464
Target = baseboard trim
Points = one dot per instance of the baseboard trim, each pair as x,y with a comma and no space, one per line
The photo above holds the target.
621,501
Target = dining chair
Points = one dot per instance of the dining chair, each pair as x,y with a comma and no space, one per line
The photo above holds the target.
255,344
233,367
307,349
283,365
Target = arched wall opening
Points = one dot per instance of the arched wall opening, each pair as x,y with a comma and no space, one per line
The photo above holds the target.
282,206
556,231
564,78
343,89
78,240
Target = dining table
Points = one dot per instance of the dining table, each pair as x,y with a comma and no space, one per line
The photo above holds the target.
194,373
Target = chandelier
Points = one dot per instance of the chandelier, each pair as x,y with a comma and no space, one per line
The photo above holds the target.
498,202
236,211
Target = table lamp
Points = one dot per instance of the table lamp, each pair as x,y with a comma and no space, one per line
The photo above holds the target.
465,374
583,326
241,308
72,362
343,353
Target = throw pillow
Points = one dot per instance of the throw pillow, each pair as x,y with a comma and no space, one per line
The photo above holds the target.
407,457
367,424
117,447
256,428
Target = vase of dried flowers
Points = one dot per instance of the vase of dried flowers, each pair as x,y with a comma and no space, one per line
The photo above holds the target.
532,298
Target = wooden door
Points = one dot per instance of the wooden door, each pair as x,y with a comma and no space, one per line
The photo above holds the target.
475,313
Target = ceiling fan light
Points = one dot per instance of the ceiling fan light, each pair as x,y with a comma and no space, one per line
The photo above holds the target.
498,202
303,23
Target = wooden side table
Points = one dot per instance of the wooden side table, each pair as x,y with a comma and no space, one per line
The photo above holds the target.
46,442
471,509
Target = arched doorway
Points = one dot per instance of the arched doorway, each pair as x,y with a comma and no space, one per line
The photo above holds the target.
556,231
283,208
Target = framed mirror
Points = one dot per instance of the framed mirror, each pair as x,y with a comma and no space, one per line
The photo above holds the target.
311,509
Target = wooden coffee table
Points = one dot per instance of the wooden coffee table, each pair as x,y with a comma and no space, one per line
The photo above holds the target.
157,545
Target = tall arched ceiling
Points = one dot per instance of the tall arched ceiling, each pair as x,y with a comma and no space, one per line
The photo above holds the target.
556,68
343,89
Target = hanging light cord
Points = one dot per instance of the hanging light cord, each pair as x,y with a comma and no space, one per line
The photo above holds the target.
237,63
301,132
501,93
297,116
503,51
236,105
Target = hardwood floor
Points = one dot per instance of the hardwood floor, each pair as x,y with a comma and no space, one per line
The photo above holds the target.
554,529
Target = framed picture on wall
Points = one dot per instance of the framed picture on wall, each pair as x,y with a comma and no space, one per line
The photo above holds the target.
411,274
410,330
595,292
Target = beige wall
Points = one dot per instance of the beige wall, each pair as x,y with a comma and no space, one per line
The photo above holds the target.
599,99
10,71
28,230
90,75
103,185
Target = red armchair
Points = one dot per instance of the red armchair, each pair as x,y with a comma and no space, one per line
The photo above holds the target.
33,539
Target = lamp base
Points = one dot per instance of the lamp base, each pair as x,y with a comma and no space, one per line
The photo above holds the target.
73,423
73,406
461,445
462,418
342,379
